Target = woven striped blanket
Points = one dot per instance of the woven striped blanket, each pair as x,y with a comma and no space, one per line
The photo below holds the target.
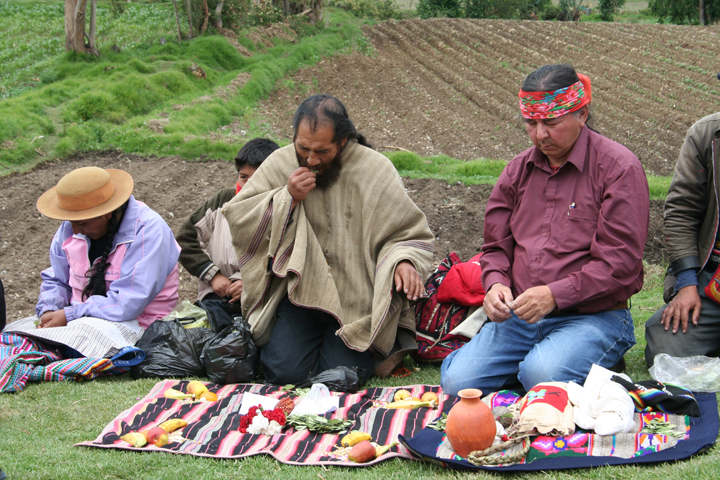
92,337
212,429
23,360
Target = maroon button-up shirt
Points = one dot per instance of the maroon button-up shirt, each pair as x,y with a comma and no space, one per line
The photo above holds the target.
580,231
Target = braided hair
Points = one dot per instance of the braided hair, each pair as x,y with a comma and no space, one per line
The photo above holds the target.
96,273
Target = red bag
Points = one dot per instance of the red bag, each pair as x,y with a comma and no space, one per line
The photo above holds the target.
434,320
462,284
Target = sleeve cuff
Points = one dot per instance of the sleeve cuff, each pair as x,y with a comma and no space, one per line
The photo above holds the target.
685,278
564,293
70,313
209,272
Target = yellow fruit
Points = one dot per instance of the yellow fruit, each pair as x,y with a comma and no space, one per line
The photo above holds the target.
429,397
135,439
382,449
209,396
196,388
176,394
410,404
354,437
172,425
401,395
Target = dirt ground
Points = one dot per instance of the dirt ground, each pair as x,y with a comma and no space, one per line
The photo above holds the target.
174,188
438,86
449,86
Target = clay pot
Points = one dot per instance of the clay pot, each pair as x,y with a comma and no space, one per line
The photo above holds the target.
470,424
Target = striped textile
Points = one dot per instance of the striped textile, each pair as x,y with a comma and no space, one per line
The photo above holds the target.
92,337
212,429
24,360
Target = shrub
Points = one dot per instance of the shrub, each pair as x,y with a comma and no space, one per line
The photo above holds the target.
439,8
608,8
376,9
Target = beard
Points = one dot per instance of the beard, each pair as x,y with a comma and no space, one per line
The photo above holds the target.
329,174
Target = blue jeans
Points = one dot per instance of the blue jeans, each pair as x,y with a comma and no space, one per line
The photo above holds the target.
555,349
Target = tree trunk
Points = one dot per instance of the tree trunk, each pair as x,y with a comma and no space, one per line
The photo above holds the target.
286,7
218,14
69,24
79,32
93,23
177,20
703,20
189,12
317,10
207,15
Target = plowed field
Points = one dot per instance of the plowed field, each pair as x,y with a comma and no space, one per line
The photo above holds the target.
450,85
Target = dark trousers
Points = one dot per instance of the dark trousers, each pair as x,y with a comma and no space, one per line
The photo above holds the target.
303,343
700,339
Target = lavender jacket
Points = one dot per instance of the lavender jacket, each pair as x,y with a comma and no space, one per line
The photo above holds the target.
142,278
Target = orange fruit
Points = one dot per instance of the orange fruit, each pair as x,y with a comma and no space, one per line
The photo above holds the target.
429,397
209,396
401,395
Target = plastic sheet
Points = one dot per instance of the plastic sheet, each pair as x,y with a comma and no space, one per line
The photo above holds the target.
231,356
698,373
171,351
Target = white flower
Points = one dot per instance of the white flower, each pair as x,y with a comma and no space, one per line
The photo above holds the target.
259,424
274,428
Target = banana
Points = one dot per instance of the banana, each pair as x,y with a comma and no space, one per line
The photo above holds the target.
135,439
354,437
176,394
410,404
382,449
173,424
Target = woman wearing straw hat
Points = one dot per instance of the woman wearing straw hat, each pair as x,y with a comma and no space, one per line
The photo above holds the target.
112,257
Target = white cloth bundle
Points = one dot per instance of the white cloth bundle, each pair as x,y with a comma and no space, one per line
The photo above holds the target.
601,404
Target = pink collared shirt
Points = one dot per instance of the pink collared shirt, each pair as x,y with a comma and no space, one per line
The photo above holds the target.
581,231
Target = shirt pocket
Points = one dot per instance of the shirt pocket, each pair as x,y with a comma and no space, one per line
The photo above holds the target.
578,229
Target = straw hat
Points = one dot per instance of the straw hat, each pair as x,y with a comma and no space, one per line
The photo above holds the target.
85,193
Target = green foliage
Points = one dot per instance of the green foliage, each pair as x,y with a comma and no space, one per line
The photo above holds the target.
685,11
439,8
264,14
509,9
608,8
375,9
89,105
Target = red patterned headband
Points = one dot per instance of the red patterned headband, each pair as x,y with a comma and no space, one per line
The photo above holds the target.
542,105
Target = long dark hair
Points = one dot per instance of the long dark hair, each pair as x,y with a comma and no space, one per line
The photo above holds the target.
551,78
324,107
96,273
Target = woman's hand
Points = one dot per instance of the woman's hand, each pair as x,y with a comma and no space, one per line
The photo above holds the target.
53,319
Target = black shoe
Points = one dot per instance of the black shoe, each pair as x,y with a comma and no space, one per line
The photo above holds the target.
619,367
2,475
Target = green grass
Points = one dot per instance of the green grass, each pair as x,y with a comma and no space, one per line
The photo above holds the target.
40,425
481,171
33,36
88,103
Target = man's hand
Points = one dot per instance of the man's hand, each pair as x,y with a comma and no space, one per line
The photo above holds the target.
534,303
677,311
234,291
53,319
408,280
220,284
496,303
300,183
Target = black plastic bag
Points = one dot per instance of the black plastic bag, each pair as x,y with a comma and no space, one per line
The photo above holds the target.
171,351
339,379
231,357
221,313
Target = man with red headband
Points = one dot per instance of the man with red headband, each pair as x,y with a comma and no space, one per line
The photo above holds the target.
565,229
